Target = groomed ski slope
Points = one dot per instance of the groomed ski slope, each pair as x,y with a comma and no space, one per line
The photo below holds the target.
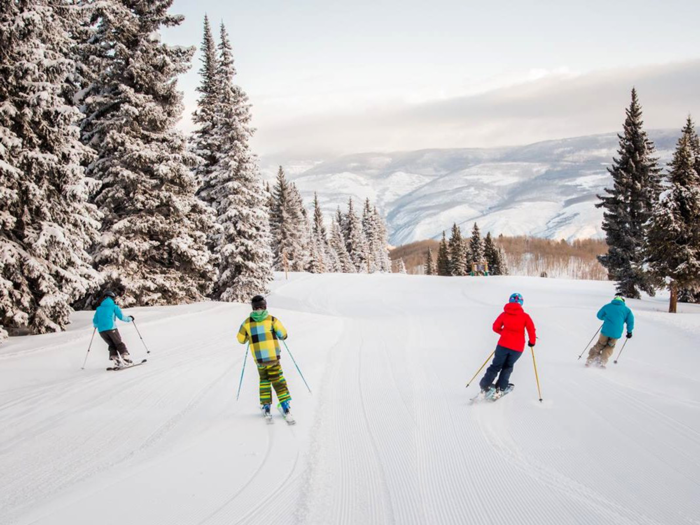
387,436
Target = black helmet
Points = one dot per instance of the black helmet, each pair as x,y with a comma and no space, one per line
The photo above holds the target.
258,303
109,293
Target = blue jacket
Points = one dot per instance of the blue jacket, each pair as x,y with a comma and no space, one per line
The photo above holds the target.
106,314
614,316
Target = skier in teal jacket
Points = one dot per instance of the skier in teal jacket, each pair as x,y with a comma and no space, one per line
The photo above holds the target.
615,315
104,321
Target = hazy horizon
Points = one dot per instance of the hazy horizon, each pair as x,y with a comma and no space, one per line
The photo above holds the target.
327,80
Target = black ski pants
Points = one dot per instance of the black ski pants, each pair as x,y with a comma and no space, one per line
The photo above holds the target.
114,342
503,362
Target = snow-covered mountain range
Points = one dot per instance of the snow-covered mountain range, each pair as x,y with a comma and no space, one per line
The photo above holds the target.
547,189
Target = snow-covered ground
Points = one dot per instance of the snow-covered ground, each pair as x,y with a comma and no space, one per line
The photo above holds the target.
387,435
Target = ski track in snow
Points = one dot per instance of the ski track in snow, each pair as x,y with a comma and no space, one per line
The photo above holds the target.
387,437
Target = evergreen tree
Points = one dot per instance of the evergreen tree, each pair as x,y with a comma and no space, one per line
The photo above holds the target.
443,258
236,191
458,264
153,238
628,205
491,255
673,244
401,267
382,243
429,263
369,227
355,240
476,248
319,237
337,243
502,262
289,227
202,141
47,225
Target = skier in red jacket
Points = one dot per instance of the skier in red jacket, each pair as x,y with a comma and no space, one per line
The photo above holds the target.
511,325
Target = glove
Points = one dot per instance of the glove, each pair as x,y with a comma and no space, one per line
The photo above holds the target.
531,345
629,335
132,317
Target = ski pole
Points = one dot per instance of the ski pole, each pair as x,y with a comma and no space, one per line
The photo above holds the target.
537,377
621,349
480,369
137,331
90,346
589,342
295,364
240,381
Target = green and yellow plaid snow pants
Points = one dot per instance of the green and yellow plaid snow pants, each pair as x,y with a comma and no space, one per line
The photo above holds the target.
272,375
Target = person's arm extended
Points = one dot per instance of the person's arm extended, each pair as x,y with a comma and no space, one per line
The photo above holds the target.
601,314
120,315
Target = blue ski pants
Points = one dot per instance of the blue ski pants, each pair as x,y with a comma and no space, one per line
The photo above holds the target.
503,362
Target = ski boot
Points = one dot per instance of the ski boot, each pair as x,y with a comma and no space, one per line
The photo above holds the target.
127,359
489,392
284,409
116,361
265,409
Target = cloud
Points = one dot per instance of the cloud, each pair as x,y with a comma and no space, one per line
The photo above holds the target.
548,105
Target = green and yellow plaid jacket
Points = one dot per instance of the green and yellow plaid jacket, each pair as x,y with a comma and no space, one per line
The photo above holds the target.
263,338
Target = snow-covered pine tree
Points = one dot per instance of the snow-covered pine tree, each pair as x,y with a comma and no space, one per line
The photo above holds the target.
476,248
337,243
458,265
382,247
429,267
320,240
202,141
492,255
355,240
443,258
237,192
401,267
502,262
673,241
371,231
628,205
153,240
47,225
289,227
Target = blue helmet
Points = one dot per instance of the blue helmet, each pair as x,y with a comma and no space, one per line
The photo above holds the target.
516,298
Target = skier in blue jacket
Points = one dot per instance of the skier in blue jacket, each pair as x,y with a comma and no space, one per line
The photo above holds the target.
104,321
615,315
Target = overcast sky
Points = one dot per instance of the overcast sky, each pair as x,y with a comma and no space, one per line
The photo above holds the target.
329,77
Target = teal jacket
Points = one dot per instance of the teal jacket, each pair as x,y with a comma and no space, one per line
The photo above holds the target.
614,316
106,314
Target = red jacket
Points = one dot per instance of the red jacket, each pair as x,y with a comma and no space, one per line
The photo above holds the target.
511,324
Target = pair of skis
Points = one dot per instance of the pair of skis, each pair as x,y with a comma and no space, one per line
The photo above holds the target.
124,367
492,395
288,417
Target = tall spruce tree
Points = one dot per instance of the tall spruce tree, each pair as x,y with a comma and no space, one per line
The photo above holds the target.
443,258
47,225
320,240
458,262
289,227
429,267
153,240
355,240
237,192
337,242
476,248
628,205
382,243
369,227
673,243
202,141
401,266
493,256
